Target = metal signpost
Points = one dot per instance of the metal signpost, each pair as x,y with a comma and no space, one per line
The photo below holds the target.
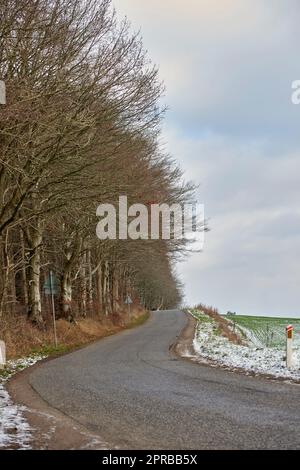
289,346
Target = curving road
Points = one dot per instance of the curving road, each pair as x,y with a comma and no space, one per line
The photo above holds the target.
134,392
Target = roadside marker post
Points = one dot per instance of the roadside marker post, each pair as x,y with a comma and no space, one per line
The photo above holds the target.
2,354
289,346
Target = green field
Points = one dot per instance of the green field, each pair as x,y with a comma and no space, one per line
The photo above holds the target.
266,331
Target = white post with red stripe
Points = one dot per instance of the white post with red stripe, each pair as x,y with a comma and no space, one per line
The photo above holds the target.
289,346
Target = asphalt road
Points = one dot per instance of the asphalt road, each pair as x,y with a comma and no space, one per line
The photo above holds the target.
135,393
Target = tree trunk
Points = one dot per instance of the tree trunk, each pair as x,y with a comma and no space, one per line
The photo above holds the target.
99,286
90,281
24,278
34,271
66,294
116,290
106,288
83,285
5,269
71,254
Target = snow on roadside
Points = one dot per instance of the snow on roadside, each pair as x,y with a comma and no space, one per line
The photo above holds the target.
15,432
209,345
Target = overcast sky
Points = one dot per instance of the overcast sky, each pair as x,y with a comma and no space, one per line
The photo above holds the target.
228,67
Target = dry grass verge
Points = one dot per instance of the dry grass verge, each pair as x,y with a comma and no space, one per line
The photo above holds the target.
22,338
222,323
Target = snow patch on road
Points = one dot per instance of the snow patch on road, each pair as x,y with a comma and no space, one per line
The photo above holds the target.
15,432
210,346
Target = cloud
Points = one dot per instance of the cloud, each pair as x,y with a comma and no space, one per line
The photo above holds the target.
228,68
228,65
252,202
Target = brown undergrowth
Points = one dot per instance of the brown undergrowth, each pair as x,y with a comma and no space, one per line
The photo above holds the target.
223,324
22,338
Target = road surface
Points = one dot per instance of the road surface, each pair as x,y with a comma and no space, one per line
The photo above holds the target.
135,393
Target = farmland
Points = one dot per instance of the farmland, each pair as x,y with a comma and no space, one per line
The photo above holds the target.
265,331
262,346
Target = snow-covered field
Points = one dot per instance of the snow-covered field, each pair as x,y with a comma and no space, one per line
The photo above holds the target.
15,432
211,346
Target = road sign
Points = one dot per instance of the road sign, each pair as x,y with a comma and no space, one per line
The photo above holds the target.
289,346
128,300
2,92
51,285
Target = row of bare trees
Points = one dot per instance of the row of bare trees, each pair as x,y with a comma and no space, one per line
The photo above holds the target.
81,126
